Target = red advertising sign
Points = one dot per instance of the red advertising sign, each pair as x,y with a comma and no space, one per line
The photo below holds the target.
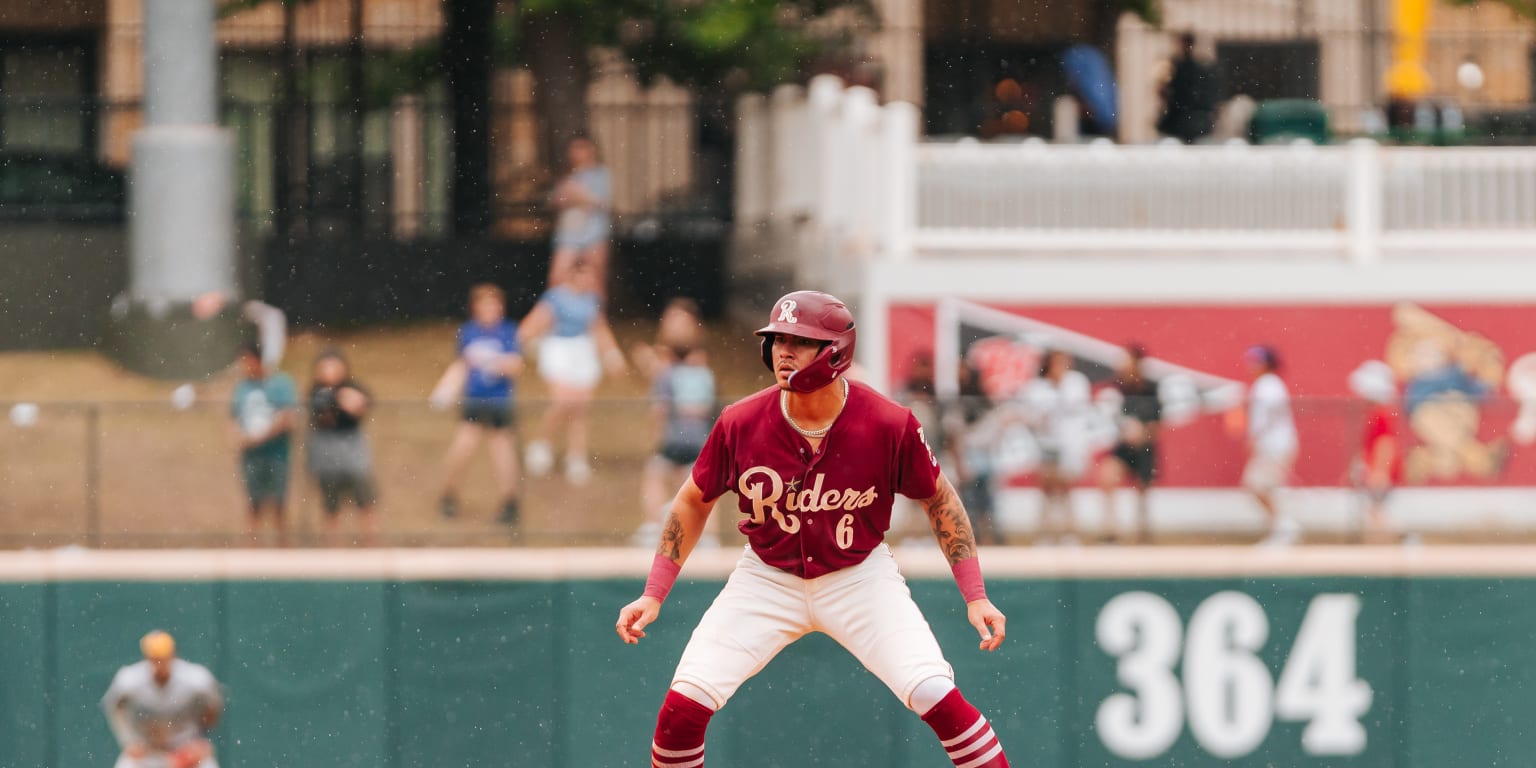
1464,376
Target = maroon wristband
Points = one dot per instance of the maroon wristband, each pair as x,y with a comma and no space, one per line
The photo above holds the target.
968,579
663,576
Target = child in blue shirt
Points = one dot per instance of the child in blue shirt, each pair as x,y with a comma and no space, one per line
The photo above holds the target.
489,358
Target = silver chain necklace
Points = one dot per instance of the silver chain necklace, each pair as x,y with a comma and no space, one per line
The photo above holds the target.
811,433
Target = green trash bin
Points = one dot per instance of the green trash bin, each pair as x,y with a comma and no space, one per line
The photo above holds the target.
1280,121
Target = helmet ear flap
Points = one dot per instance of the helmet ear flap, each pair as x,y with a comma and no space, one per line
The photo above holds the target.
767,347
835,356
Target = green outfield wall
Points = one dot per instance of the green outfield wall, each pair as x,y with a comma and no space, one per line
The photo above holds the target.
1150,671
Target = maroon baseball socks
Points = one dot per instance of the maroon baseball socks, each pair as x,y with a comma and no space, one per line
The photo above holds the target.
965,734
679,741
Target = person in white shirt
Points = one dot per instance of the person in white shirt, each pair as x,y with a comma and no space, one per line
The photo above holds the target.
1272,442
1059,403
160,709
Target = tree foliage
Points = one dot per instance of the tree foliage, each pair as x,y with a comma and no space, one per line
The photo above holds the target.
708,43
1150,11
727,44
1526,8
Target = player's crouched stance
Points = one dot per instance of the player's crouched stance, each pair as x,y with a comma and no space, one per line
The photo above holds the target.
161,709
816,460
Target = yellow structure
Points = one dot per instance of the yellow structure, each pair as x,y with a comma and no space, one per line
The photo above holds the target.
1408,77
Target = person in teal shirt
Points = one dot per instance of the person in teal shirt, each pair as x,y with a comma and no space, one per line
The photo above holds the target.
262,413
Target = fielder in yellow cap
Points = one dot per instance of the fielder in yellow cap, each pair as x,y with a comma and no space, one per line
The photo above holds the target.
161,708
158,646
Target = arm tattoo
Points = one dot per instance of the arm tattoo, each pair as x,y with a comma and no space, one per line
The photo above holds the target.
951,526
672,539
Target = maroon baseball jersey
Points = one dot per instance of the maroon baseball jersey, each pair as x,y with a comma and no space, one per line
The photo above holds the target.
813,512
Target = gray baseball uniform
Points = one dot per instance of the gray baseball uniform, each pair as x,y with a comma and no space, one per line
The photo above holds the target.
162,718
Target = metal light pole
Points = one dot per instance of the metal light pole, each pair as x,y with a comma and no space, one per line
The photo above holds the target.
180,204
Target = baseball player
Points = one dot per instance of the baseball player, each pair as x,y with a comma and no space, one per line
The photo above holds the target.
816,461
160,709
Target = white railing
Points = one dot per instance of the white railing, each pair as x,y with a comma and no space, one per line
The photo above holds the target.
1037,186
851,178
1459,189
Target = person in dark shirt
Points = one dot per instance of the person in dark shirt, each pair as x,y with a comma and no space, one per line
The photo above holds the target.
339,456
1190,96
1134,454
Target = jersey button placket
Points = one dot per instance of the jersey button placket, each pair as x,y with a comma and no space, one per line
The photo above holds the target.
808,463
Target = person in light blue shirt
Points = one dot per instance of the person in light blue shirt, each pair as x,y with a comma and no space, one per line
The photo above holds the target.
489,358
262,411
683,401
583,202
575,344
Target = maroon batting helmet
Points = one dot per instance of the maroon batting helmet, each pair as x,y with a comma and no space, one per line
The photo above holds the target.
812,315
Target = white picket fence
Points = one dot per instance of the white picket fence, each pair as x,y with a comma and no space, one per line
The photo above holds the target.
828,177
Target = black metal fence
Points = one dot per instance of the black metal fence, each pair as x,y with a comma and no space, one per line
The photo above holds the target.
341,281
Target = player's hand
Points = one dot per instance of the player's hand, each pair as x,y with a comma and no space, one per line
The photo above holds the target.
192,754
989,622
136,751
634,617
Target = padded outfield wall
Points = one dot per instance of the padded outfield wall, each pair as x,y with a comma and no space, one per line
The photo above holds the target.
1169,657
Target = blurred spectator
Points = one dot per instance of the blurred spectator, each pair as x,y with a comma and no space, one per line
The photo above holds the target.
683,400
489,358
1190,96
1379,467
339,455
681,327
679,331
916,392
1059,404
583,224
569,328
971,431
918,395
1134,454
262,417
1272,442
1091,83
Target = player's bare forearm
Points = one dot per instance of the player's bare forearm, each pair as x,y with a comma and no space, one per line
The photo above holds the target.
684,524
210,717
121,726
951,525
